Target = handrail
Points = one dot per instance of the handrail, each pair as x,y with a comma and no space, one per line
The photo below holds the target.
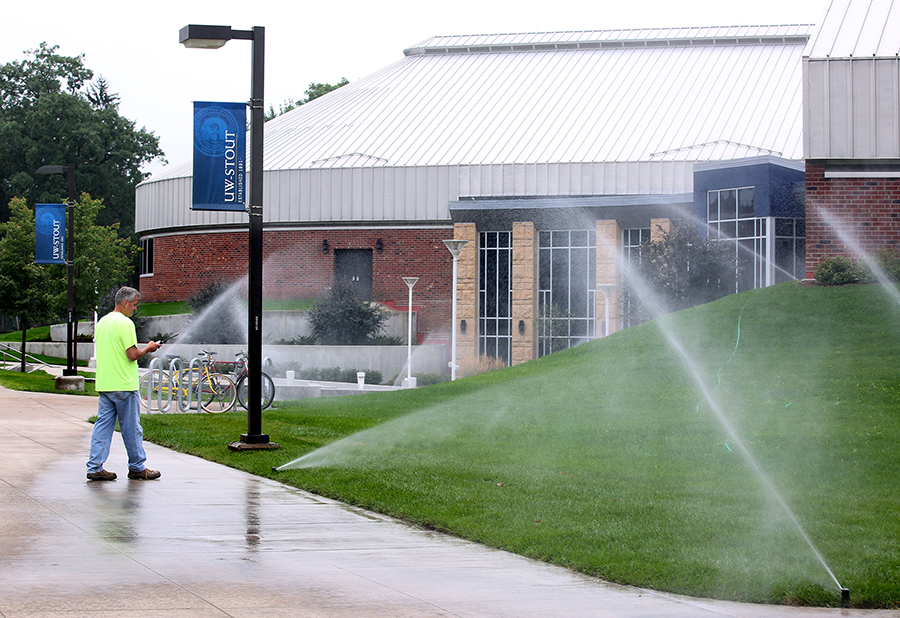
7,350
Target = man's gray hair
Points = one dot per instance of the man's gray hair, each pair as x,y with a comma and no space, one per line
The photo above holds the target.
126,294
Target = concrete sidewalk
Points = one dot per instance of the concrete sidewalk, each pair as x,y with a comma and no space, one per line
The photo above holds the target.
206,541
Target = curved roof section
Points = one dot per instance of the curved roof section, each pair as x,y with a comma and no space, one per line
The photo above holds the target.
684,94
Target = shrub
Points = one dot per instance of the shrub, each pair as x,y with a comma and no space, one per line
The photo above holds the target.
840,270
427,379
344,318
889,260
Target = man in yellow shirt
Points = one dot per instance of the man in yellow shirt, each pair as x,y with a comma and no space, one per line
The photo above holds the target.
115,342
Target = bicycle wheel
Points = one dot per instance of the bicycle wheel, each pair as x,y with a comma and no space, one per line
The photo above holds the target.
267,392
217,393
160,390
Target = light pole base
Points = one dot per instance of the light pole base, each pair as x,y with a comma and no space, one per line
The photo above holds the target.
69,383
70,372
258,442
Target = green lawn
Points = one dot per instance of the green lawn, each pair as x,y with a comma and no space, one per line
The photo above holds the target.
147,310
608,458
41,333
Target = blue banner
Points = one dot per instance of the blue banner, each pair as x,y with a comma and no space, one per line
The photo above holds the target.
50,234
220,152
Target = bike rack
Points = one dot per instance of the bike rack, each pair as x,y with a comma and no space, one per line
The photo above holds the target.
174,369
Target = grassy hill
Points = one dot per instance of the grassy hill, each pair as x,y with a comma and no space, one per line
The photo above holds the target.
627,460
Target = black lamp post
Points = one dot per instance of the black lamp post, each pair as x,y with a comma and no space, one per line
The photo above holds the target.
71,350
214,37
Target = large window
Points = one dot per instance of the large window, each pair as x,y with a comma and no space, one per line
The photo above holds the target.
146,256
768,249
495,295
566,289
632,243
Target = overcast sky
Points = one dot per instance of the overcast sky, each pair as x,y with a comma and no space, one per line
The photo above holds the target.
135,46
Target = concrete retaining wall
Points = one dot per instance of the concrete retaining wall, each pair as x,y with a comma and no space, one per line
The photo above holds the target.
389,360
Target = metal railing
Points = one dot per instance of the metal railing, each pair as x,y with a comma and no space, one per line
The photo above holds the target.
11,355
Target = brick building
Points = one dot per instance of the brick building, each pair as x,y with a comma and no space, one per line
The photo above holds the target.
852,131
553,154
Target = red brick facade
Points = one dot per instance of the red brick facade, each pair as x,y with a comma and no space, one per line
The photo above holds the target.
867,210
295,266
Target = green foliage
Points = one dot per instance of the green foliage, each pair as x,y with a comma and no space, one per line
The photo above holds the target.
51,113
344,318
103,258
40,333
24,286
840,270
330,374
889,261
38,382
685,268
174,307
429,379
607,459
297,340
314,91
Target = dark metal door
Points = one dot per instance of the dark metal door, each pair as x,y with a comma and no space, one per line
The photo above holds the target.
354,266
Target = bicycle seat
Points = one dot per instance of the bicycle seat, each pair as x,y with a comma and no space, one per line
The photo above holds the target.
170,355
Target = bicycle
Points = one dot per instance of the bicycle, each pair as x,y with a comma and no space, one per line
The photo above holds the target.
215,392
240,375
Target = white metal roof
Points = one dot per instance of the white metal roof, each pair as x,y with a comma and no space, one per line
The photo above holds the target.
617,112
619,95
857,29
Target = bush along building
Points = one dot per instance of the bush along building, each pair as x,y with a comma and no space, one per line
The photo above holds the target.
555,155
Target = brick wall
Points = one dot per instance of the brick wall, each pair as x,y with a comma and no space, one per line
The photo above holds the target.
865,210
296,267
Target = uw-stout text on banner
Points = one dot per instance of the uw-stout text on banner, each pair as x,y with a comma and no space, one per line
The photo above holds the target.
220,152
50,234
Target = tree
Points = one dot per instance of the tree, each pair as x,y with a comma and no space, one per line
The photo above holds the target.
314,91
103,259
24,289
51,113
682,269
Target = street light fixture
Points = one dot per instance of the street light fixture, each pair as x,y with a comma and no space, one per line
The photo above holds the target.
213,37
71,350
454,246
410,282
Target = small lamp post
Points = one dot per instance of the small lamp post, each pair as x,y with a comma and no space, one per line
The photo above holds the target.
71,350
213,37
410,282
455,246
607,289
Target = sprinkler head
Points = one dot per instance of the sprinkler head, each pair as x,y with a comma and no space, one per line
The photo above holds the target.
845,597
274,468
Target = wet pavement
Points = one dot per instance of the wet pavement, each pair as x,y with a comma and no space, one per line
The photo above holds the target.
209,541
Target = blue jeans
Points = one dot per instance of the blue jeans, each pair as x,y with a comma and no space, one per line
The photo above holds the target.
124,406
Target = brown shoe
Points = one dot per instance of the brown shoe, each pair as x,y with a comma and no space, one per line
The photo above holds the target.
146,474
103,475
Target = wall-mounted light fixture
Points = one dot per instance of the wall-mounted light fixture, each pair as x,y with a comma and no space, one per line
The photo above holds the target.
521,327
379,246
324,246
462,326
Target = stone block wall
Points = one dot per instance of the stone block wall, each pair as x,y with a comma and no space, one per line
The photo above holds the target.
524,291
466,299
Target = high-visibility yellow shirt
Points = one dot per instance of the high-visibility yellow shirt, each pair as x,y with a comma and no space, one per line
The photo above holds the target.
113,336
